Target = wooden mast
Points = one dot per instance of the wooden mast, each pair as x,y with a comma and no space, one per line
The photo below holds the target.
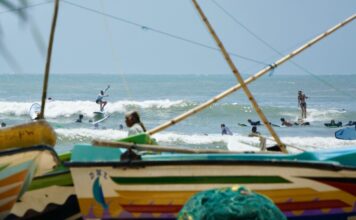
250,79
240,79
48,61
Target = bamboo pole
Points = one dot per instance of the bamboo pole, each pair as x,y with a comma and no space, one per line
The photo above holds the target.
250,79
158,148
237,74
48,61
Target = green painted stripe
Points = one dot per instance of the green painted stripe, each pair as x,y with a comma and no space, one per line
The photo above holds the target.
64,179
3,166
199,180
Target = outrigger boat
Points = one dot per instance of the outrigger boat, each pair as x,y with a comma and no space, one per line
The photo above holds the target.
308,185
50,194
112,183
26,152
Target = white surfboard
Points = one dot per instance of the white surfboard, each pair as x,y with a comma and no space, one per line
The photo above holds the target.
101,120
35,109
98,113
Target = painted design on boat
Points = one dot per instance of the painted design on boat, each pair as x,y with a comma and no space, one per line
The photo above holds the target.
19,166
98,193
301,185
51,194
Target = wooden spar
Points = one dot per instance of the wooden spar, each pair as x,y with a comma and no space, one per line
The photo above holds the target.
240,79
48,61
158,148
250,79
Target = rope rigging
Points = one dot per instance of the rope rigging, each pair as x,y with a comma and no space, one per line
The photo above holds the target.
147,28
280,53
115,55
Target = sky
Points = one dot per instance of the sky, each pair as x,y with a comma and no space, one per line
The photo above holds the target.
169,37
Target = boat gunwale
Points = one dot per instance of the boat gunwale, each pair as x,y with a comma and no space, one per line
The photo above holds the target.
136,163
12,151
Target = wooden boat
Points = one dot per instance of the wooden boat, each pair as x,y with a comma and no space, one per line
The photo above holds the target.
48,195
29,153
308,185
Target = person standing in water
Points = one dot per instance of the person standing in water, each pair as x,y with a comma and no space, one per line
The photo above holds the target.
225,130
302,103
100,99
80,118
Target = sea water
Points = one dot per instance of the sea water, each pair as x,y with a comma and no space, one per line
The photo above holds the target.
159,98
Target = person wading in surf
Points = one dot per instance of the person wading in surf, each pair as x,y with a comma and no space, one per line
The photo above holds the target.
225,130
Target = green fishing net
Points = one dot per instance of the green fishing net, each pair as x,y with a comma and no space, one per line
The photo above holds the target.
230,203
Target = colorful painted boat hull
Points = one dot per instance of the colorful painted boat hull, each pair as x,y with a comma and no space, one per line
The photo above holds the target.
302,186
48,195
17,169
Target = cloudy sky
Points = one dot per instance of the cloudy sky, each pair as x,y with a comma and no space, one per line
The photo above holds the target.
168,36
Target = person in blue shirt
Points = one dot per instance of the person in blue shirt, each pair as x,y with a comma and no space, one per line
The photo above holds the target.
225,130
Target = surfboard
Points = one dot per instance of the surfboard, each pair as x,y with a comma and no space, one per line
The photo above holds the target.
335,125
348,133
245,125
101,120
98,115
274,125
34,110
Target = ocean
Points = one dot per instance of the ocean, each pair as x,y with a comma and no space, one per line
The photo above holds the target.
159,98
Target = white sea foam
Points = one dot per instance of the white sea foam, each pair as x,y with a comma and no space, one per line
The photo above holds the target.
84,134
317,114
324,115
67,108
235,142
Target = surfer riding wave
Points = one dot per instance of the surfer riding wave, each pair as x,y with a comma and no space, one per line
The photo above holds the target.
100,99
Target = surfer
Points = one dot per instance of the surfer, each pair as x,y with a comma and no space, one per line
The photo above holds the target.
333,124
100,99
286,123
225,130
80,118
351,123
302,103
253,123
133,122
254,132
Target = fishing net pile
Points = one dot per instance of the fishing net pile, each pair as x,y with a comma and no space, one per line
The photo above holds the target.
230,203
